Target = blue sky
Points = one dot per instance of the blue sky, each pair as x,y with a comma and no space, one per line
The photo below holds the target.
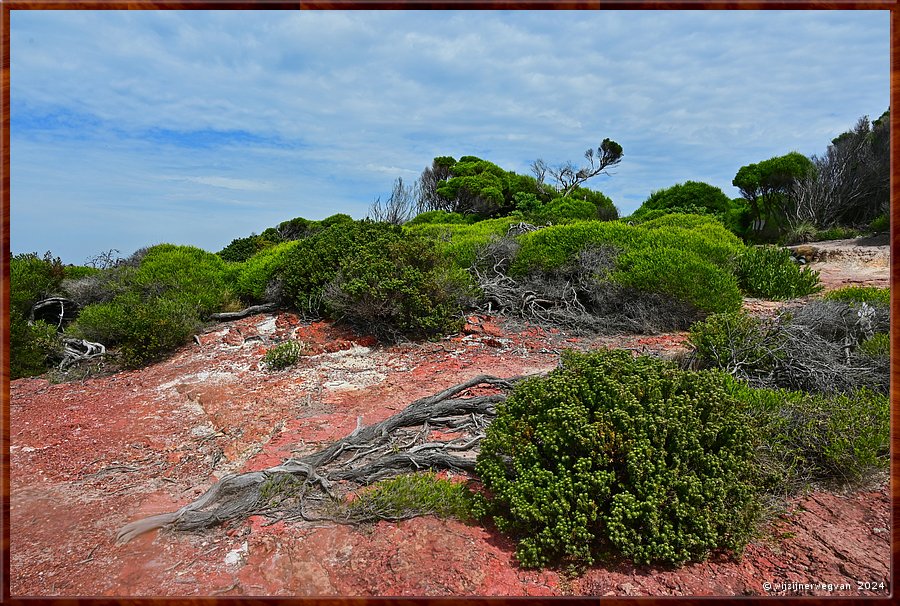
194,127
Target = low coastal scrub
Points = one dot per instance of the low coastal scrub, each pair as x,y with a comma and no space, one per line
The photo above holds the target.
611,452
770,273
153,305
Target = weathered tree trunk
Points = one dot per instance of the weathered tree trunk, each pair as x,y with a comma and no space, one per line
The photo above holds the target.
249,311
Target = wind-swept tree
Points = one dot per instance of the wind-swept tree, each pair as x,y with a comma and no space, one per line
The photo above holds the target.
567,176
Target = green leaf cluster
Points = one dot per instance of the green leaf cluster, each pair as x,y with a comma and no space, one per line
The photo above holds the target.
408,496
155,307
770,273
810,439
615,452
284,355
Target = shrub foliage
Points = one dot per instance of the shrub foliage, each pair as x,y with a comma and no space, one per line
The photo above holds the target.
149,310
817,439
770,273
611,451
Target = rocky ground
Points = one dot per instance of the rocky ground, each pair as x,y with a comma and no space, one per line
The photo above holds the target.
89,455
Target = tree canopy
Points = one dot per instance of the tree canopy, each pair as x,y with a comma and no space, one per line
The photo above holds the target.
766,186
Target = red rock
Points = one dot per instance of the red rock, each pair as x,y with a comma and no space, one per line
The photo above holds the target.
146,418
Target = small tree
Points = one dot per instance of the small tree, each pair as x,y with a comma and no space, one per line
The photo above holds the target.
767,186
567,176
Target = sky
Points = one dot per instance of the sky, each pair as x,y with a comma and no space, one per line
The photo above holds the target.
133,128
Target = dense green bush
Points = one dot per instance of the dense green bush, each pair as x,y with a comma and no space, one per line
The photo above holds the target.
460,243
861,294
154,307
32,278
817,439
253,280
397,286
686,195
566,210
30,345
682,274
770,273
316,260
622,452
144,330
555,246
241,249
690,257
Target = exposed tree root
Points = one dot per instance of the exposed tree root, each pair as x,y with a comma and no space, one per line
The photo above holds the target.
303,488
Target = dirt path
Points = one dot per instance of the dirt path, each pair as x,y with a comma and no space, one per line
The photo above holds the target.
87,457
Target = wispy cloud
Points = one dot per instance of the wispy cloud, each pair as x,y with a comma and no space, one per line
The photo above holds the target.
310,113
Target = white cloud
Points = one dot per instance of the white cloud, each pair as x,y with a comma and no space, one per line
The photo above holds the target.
227,183
317,112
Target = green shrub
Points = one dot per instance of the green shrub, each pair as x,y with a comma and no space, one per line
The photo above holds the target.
877,345
770,273
682,274
460,243
151,309
701,195
143,330
566,210
32,279
183,273
555,246
30,345
861,294
283,355
817,439
397,286
882,223
316,260
241,249
256,275
409,496
622,452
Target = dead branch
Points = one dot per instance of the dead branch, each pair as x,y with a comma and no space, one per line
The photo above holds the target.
78,350
249,311
395,445
41,310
